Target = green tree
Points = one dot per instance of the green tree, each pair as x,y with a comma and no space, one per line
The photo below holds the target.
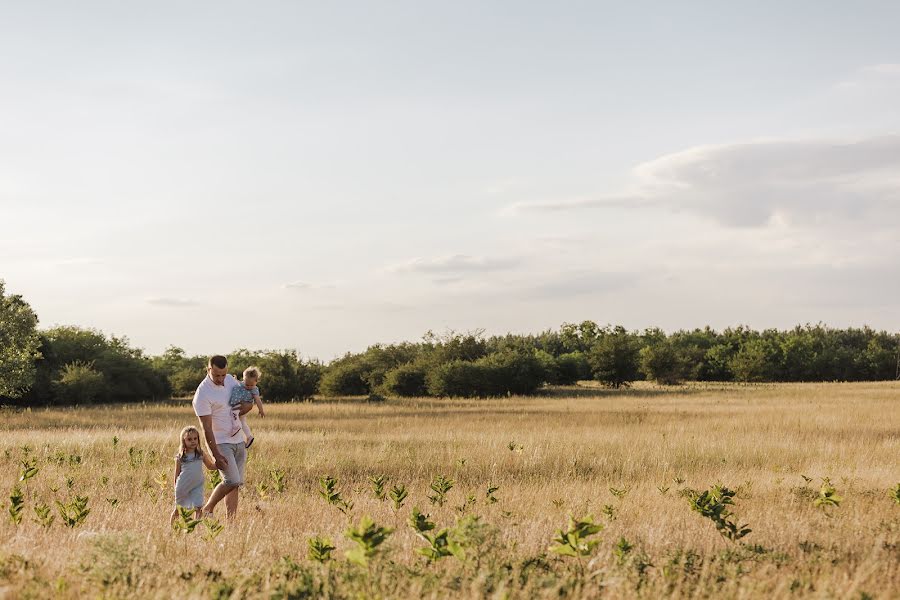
614,357
19,344
663,361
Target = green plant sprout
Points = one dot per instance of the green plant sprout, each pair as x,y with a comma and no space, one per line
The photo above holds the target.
368,537
74,512
16,504
440,485
398,495
319,549
378,490
713,504
573,541
328,490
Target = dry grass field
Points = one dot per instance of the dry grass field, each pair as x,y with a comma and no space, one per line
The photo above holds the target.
629,458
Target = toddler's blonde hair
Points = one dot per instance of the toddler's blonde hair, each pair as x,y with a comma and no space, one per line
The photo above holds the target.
253,372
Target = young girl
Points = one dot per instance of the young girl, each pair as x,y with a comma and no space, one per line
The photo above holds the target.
246,394
189,477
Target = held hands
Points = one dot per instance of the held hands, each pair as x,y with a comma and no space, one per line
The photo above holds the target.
221,461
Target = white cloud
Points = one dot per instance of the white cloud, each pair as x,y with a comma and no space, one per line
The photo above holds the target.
802,183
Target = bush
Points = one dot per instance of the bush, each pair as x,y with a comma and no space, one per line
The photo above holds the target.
345,377
572,368
79,383
406,380
511,372
457,378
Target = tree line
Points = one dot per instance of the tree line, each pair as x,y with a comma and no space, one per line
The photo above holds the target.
73,365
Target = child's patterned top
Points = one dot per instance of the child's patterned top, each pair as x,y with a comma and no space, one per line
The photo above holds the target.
240,394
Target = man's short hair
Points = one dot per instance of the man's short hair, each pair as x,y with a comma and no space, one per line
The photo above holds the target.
218,361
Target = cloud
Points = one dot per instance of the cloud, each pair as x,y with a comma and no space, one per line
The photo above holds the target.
172,302
805,182
456,265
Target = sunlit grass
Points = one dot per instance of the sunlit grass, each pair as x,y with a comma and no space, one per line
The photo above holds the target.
622,457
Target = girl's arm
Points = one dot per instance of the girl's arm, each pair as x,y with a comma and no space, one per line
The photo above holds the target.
259,405
177,471
208,462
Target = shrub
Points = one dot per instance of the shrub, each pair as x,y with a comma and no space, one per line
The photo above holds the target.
79,383
456,378
345,377
406,380
511,372
572,368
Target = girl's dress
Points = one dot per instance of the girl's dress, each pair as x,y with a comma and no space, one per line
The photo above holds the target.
189,485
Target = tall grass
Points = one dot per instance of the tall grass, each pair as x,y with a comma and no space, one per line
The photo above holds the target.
632,460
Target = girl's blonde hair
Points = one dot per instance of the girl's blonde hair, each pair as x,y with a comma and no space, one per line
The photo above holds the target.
253,372
182,451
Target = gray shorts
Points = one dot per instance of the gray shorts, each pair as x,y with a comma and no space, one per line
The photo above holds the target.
236,455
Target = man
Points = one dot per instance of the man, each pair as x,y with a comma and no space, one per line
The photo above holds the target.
224,440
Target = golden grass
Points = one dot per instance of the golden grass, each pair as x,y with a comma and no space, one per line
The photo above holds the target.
569,448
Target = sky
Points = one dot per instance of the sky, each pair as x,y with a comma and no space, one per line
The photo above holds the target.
327,176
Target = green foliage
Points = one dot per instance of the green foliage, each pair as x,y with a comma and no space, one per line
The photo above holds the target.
74,512
186,522
406,380
619,492
440,485
573,541
827,497
491,490
895,493
345,377
662,361
328,490
754,361
572,367
614,357
29,469
213,528
278,480
16,504
215,478
368,537
19,345
378,490
75,358
622,549
398,495
319,549
79,383
713,504
440,543
43,516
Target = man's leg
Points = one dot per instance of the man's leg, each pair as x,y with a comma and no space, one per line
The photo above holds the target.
222,490
232,476
231,503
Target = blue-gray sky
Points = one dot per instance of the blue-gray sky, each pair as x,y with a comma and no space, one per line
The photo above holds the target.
324,176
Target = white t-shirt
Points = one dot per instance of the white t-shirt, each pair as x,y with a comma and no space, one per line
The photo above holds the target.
212,399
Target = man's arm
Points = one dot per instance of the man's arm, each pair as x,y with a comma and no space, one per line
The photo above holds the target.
206,425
